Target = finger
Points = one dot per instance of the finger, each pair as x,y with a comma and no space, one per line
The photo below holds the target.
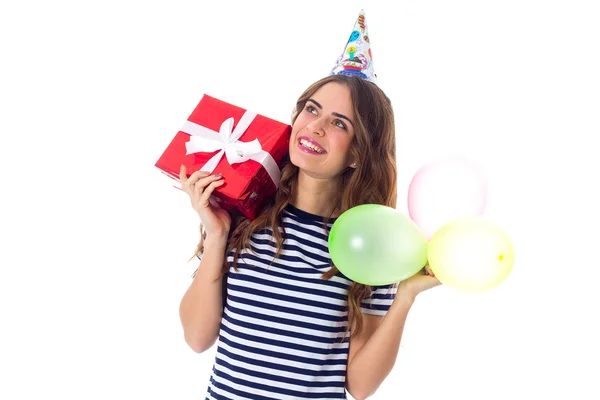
193,179
428,270
210,189
182,175
213,202
203,183
196,176
183,180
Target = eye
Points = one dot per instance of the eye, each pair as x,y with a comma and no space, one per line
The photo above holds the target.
311,109
340,124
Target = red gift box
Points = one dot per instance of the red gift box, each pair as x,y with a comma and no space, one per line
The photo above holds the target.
246,148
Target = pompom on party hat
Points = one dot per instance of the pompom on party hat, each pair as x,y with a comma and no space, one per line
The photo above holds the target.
357,60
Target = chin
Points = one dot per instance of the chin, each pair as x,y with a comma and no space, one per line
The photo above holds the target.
296,161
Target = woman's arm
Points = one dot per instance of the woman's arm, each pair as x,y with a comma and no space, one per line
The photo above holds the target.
372,355
201,308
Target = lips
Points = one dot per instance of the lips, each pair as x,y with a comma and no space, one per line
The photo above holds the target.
311,142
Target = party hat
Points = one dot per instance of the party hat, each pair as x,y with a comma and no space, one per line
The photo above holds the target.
356,60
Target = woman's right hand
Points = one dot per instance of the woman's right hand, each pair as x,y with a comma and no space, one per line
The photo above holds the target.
199,186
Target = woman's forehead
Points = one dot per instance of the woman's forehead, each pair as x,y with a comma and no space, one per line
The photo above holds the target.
334,97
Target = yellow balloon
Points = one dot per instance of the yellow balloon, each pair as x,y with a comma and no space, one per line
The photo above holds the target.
471,254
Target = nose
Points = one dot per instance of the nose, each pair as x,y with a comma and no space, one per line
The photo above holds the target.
317,126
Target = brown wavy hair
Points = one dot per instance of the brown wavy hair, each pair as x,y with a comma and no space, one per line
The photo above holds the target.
372,182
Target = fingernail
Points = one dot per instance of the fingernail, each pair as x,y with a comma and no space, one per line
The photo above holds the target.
218,175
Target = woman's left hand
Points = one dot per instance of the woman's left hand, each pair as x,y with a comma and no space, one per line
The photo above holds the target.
420,282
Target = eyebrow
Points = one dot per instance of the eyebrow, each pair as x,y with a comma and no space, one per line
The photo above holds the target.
333,113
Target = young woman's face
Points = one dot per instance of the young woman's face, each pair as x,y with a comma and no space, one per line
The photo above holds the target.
323,132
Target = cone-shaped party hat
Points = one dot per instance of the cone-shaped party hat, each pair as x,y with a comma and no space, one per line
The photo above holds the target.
357,60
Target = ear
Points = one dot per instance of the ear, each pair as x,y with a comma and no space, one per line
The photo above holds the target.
353,165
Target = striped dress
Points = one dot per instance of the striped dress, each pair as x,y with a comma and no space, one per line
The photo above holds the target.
282,335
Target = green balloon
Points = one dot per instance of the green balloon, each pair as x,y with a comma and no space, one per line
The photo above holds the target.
376,245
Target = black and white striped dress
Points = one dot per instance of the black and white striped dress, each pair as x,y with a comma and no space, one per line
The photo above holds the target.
282,335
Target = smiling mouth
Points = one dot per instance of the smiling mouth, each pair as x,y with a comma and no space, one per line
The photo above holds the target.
309,145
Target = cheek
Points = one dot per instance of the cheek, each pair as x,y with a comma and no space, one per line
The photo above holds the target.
299,125
296,128
342,145
301,122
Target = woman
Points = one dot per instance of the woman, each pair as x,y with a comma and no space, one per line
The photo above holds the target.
289,324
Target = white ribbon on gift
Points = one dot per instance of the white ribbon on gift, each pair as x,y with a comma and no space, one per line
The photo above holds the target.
205,140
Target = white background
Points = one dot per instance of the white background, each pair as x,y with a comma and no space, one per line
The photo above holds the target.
95,241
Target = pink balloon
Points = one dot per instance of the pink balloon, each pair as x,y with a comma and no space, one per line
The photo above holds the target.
444,190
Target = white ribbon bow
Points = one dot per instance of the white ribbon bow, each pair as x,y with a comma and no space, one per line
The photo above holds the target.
204,140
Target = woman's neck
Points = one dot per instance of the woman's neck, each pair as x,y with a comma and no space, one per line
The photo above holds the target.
315,196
